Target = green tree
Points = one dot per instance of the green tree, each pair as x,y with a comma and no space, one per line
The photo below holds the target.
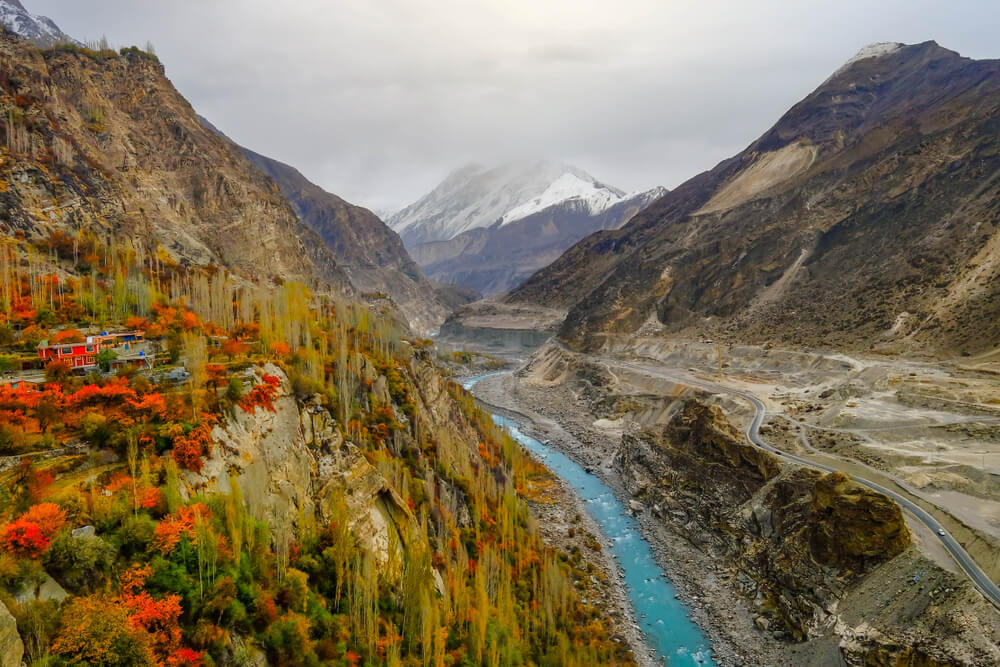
105,358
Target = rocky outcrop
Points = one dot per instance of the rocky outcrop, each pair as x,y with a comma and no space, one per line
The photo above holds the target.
295,462
815,555
11,647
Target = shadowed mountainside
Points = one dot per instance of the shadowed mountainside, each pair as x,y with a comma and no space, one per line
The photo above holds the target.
369,252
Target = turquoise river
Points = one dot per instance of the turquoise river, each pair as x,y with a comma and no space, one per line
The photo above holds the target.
662,617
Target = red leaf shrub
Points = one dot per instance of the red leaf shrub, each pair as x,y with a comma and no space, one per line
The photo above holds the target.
262,396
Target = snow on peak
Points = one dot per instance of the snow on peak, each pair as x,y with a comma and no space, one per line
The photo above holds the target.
40,30
876,50
475,196
568,186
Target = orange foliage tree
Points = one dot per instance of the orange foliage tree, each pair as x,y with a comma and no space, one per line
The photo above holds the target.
189,449
29,535
97,630
262,395
67,336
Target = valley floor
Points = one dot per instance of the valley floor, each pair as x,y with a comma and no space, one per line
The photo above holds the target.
929,431
554,415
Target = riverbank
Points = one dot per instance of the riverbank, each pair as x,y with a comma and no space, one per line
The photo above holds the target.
565,523
553,415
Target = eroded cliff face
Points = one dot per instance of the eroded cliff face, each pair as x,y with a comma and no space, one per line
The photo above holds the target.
816,555
295,464
299,463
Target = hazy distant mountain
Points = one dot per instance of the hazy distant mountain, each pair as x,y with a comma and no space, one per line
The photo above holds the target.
40,30
475,196
490,228
496,259
370,253
867,217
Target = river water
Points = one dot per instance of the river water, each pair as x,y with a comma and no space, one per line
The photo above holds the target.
662,618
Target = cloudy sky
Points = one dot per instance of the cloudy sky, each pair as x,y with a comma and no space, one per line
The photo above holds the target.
377,100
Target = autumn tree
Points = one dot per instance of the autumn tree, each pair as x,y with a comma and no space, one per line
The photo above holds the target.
232,347
262,395
98,630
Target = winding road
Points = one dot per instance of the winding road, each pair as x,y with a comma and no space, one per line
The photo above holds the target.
982,582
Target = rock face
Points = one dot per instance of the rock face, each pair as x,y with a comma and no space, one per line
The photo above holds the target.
815,555
11,647
366,249
866,217
104,143
295,462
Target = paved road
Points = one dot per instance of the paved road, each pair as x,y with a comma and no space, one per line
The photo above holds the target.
961,556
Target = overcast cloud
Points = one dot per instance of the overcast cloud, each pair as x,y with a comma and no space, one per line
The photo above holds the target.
377,100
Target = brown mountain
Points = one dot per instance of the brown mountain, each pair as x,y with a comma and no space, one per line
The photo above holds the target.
369,252
103,142
866,218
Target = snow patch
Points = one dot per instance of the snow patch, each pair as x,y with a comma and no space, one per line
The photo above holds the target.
876,50
568,187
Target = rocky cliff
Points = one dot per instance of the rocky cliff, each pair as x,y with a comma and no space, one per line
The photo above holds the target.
815,555
101,142
295,465
11,646
865,218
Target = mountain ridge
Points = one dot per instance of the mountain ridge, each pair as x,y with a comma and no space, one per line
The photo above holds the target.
475,196
369,251
39,30
865,217
131,159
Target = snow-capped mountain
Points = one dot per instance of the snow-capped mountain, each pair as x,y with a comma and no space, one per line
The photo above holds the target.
475,196
491,228
593,196
876,50
41,30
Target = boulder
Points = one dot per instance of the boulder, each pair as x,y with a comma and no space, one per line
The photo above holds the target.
11,646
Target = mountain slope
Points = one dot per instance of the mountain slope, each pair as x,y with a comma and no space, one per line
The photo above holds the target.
101,142
365,248
496,259
39,30
865,218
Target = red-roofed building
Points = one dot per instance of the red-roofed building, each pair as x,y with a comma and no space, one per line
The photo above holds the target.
84,355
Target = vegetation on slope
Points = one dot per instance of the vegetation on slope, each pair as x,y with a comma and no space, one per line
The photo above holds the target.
173,575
